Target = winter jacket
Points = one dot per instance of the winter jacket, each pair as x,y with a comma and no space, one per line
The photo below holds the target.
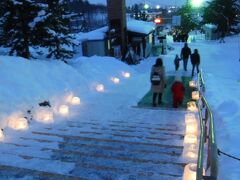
161,71
178,91
186,52
195,58
176,61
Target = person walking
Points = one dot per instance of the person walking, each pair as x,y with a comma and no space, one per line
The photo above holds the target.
158,82
195,60
222,37
185,53
177,91
176,62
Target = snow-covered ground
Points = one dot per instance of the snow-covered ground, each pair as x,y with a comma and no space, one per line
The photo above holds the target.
25,83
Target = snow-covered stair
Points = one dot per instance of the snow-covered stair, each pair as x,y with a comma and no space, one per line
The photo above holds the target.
93,149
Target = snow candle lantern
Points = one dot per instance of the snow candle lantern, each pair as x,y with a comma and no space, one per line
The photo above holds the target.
18,123
115,80
190,118
190,172
192,84
195,95
191,155
75,101
191,106
190,139
64,110
126,74
191,128
1,135
100,88
44,115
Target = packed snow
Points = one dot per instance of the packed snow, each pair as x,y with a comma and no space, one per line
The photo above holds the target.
25,84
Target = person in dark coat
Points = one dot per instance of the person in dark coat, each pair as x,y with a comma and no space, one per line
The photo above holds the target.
185,53
157,89
195,60
177,91
176,62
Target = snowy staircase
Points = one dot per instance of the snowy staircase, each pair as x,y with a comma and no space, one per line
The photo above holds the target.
116,149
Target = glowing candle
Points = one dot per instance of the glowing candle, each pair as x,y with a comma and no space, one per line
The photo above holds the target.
100,88
195,95
192,84
190,139
126,74
1,135
191,128
18,124
115,80
75,101
190,172
44,115
190,118
191,106
64,110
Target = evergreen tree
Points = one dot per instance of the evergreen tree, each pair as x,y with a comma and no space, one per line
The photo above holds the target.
17,16
53,30
223,13
189,19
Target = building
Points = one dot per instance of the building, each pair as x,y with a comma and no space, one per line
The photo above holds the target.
92,43
141,37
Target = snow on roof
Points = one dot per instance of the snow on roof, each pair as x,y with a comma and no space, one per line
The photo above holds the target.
98,34
142,27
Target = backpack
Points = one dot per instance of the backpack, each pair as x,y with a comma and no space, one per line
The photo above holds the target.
156,79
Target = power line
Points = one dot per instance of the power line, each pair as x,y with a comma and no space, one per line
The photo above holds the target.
228,155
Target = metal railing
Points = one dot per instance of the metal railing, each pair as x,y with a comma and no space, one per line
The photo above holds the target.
207,137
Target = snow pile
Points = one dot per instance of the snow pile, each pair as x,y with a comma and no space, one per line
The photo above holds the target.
26,83
142,27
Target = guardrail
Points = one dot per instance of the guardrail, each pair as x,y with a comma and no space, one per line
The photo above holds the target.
207,137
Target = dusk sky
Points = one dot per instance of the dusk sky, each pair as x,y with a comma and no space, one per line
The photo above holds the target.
150,2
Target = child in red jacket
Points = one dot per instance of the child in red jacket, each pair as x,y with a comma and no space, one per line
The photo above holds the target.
177,91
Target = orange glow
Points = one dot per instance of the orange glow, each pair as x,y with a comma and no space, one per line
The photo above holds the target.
157,21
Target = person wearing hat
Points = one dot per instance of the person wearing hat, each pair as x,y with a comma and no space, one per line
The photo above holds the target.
177,91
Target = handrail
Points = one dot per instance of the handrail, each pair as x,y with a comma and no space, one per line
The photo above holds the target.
207,135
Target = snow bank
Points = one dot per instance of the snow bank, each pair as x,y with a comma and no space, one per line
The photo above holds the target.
26,83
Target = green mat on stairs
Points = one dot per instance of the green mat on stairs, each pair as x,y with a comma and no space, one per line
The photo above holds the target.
167,101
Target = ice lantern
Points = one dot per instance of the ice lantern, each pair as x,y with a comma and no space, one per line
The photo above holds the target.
126,74
195,95
1,135
190,118
44,115
191,106
190,172
100,88
191,128
190,139
192,84
64,110
75,101
18,124
115,80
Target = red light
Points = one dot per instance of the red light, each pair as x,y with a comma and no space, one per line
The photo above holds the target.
157,21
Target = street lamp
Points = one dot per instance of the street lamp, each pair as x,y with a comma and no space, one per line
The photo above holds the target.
196,3
146,6
157,6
